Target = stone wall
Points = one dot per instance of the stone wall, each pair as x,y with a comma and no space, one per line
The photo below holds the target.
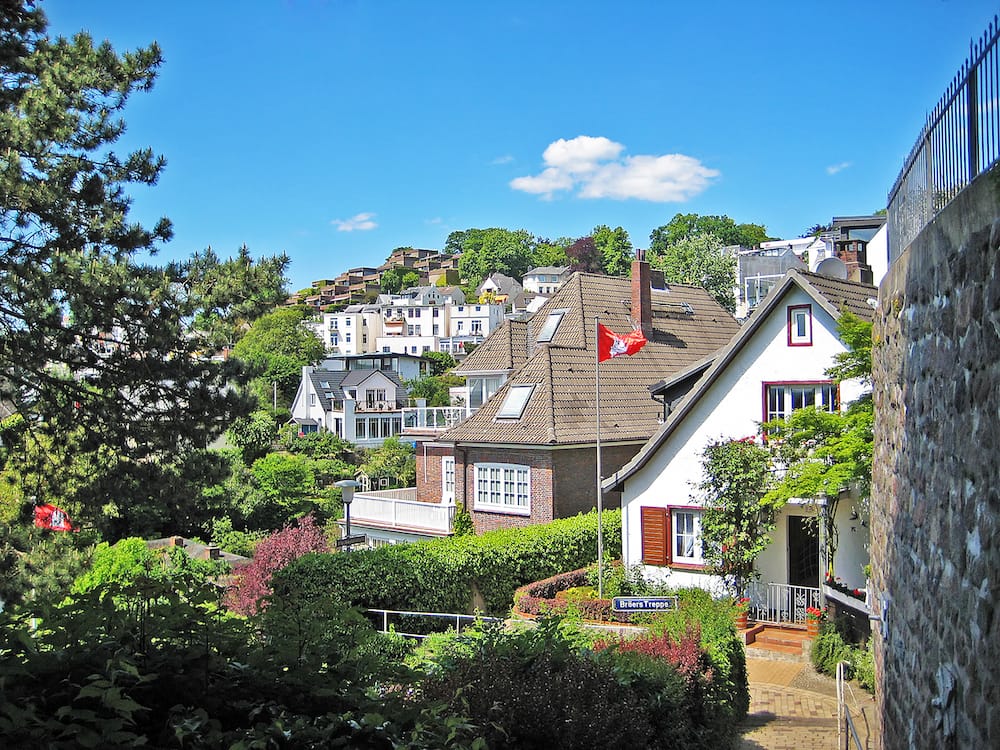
936,495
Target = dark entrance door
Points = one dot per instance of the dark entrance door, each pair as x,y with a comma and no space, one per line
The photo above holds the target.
803,552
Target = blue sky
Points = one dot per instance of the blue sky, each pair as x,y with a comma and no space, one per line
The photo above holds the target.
336,131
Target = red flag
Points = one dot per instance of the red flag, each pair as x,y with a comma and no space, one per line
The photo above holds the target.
610,344
50,517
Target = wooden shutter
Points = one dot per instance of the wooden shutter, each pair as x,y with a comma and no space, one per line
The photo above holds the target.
655,535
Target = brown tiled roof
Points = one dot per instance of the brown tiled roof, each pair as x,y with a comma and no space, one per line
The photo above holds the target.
561,410
503,350
850,295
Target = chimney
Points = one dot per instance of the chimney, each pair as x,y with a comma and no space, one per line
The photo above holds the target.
642,296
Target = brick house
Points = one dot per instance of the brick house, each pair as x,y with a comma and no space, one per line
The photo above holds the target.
528,454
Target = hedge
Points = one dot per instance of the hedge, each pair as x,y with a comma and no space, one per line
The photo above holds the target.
539,598
459,574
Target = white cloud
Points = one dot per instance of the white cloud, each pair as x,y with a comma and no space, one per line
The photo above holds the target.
505,159
834,168
357,223
595,168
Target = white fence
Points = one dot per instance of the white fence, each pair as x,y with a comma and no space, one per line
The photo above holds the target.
780,603
433,417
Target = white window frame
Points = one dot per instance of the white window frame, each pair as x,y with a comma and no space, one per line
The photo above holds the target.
800,325
503,488
794,395
685,536
448,479
515,402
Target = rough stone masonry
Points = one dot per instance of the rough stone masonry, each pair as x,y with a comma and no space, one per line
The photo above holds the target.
936,495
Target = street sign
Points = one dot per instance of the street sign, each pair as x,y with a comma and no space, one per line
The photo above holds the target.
349,541
644,603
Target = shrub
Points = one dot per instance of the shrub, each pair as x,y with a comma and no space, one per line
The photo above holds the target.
253,580
442,575
830,648
543,687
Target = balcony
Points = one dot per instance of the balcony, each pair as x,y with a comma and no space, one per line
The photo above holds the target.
400,509
431,420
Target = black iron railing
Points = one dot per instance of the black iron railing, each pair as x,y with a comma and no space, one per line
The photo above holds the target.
959,141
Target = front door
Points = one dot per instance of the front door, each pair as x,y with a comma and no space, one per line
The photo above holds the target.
803,552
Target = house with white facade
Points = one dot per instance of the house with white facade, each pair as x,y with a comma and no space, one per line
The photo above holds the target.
775,363
545,279
360,399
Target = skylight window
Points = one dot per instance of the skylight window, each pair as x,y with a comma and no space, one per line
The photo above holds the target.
551,325
517,398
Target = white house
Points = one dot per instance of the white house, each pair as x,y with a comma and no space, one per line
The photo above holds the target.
775,363
545,279
354,397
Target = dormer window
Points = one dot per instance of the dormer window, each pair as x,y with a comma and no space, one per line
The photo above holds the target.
515,401
551,325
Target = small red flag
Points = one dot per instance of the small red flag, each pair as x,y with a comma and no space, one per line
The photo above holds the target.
50,517
610,344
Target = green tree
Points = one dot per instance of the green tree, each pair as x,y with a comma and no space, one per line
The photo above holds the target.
410,279
616,249
699,260
277,346
434,388
394,459
233,293
739,515
485,251
728,232
253,435
74,298
391,280
552,252
441,362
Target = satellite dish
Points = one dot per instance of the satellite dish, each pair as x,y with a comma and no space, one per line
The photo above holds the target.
832,268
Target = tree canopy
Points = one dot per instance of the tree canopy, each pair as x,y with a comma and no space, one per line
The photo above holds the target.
728,232
277,346
104,355
485,251
615,248
699,260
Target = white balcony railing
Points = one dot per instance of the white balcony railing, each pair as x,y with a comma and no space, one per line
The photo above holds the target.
433,418
780,603
401,509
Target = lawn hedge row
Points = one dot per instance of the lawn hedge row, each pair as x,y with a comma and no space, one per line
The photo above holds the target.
459,574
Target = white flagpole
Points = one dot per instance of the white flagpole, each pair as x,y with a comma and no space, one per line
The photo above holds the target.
600,499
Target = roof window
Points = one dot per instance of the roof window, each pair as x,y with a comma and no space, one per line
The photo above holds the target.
551,325
517,398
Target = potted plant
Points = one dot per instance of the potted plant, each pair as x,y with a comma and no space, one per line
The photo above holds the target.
742,606
814,615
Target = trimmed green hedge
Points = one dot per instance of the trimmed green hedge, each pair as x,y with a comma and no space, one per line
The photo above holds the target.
456,574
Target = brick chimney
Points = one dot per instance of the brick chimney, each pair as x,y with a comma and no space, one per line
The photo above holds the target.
642,295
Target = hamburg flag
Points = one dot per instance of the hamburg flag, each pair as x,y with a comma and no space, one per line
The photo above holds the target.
610,344
50,517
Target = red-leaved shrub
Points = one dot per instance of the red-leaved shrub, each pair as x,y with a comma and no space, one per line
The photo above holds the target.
686,654
253,580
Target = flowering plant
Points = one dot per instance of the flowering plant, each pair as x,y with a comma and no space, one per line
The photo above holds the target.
814,614
742,604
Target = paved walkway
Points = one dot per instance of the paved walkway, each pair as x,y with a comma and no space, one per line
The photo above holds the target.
793,708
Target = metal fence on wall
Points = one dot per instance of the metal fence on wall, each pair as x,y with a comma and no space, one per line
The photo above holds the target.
959,141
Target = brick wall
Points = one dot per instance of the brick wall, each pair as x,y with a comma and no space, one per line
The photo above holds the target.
429,472
563,482
936,481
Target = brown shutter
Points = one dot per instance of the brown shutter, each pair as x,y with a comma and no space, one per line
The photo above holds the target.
655,536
